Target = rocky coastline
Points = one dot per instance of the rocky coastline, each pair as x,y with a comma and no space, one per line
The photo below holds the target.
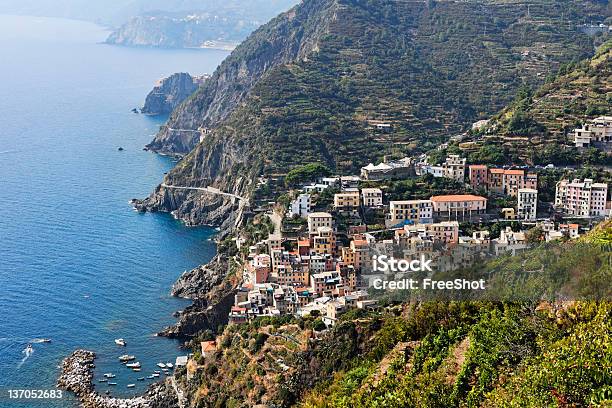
77,376
193,208
212,288
170,92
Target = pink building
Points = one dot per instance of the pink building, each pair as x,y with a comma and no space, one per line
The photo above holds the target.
479,176
582,198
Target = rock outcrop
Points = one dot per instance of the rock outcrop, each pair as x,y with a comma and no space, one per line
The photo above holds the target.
77,374
212,288
170,92
194,207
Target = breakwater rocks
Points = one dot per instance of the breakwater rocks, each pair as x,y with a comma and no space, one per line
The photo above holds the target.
77,374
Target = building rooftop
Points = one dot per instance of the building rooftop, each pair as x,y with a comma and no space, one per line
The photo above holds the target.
319,215
208,346
457,197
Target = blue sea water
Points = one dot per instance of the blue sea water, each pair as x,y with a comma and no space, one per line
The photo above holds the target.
77,264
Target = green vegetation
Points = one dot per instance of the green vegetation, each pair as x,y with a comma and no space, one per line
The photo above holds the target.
477,353
495,355
535,127
422,188
416,66
306,173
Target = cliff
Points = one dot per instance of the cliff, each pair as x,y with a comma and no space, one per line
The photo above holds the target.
308,86
170,92
287,37
212,288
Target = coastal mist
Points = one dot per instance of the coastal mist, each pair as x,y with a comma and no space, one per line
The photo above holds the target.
78,265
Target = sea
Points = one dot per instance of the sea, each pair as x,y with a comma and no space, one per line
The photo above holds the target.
78,265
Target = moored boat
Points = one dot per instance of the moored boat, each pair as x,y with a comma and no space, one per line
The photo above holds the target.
131,385
120,342
133,365
161,365
126,357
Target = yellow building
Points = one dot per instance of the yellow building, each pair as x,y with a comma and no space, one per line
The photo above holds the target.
347,201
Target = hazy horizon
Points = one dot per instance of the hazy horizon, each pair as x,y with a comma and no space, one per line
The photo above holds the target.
116,12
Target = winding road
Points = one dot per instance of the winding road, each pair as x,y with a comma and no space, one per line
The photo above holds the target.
211,190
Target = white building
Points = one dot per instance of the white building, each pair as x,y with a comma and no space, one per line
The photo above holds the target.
509,241
596,132
454,167
417,211
582,198
300,206
527,204
315,188
388,170
372,197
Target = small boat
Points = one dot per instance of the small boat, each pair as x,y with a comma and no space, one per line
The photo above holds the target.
169,365
103,380
136,369
133,365
131,385
150,377
126,357
156,371
120,149
28,350
161,365
140,378
120,342
112,383
156,375
110,375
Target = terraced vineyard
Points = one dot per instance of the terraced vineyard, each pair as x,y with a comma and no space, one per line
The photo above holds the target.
545,119
427,69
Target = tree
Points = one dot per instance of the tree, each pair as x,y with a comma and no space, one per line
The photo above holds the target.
305,173
534,235
318,325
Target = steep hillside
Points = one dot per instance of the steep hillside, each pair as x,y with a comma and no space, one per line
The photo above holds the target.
286,38
312,84
532,353
544,118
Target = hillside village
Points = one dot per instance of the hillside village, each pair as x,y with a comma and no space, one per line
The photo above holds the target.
318,259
